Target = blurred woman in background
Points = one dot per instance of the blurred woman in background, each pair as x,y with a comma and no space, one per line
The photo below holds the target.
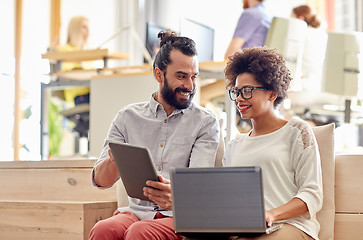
314,48
77,37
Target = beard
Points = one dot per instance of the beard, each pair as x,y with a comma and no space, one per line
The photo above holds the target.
170,97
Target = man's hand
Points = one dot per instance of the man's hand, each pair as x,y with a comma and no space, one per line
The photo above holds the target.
160,194
106,172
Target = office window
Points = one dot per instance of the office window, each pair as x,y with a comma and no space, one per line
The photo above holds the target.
359,14
345,15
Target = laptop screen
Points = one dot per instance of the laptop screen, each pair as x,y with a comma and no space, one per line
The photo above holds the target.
220,200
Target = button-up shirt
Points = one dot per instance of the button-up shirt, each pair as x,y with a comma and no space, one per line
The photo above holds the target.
186,138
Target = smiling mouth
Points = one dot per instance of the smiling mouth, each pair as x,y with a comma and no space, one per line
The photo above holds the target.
244,108
185,93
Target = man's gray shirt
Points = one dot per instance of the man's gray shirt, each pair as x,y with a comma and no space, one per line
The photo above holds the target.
186,138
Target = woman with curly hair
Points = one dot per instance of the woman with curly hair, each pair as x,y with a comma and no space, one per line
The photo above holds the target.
286,151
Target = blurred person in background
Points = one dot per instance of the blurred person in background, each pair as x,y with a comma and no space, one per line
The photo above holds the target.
314,48
77,37
252,27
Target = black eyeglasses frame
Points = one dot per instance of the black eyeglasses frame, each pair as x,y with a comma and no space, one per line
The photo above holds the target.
240,92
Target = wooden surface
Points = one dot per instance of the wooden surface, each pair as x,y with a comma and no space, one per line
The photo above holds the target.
46,220
87,74
348,197
54,22
47,164
212,90
84,55
17,77
348,227
349,184
212,66
51,180
52,199
212,70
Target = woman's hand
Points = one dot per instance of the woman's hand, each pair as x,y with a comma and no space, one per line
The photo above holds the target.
270,218
291,209
159,192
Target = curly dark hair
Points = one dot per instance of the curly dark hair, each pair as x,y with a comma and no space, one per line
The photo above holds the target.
266,65
169,40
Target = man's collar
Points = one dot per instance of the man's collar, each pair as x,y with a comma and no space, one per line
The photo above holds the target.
154,106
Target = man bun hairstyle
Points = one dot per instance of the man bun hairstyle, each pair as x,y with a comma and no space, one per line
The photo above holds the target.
170,40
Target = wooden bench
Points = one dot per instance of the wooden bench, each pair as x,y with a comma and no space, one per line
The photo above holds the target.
348,197
51,200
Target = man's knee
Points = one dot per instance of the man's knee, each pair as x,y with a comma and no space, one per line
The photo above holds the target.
103,230
141,230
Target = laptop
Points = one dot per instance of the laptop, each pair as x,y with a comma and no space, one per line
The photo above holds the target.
214,202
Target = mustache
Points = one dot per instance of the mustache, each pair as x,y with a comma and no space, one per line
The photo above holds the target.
185,90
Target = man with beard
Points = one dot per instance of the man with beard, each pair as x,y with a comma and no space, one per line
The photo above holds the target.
177,132
252,27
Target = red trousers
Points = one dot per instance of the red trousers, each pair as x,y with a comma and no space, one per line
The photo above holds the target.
127,226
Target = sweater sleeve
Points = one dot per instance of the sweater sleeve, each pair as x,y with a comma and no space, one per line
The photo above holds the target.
306,162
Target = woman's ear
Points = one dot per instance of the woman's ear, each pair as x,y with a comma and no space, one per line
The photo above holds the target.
159,75
273,96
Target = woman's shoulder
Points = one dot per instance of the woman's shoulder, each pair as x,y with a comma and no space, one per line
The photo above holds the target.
298,123
237,139
302,131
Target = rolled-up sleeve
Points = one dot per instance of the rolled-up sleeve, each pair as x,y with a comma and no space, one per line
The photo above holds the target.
309,179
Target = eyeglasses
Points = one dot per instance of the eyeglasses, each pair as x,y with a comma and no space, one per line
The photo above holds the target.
246,92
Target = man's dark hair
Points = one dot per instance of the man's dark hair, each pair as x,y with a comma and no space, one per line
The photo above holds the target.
266,65
169,40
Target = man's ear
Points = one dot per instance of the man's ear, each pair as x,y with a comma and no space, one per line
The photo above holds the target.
159,75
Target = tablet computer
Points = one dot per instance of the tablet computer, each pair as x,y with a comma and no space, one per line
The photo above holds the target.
135,166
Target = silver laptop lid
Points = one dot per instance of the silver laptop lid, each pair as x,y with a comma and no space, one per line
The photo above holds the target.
218,200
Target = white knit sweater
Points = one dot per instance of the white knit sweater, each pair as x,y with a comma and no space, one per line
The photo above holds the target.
290,162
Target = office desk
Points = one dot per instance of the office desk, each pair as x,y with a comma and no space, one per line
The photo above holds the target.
83,55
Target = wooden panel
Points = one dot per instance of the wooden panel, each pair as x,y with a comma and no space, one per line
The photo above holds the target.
84,55
94,213
51,184
17,77
50,220
210,91
47,164
348,226
349,184
55,23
